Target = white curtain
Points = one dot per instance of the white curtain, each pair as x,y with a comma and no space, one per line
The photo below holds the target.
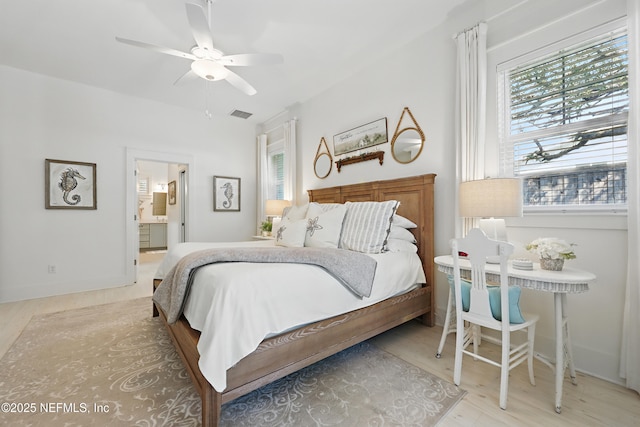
630,351
263,178
290,160
471,94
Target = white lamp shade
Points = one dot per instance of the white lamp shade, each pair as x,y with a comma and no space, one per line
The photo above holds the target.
495,197
275,207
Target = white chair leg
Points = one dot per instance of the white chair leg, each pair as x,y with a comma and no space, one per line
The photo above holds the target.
476,339
531,333
446,327
504,376
457,364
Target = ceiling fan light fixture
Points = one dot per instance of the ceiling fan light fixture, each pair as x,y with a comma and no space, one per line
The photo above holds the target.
209,70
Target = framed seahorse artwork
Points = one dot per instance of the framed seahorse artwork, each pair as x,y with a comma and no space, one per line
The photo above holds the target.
226,194
69,185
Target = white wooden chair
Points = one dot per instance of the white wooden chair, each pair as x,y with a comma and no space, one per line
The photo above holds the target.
478,247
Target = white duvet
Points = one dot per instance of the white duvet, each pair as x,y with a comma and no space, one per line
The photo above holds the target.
236,305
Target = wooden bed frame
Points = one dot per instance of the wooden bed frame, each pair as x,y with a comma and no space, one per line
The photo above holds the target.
283,354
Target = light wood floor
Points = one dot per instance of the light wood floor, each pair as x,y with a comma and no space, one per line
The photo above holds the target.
592,402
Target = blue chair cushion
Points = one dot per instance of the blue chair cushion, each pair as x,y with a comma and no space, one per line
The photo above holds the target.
515,315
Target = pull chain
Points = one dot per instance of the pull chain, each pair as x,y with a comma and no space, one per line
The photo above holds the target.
207,88
207,91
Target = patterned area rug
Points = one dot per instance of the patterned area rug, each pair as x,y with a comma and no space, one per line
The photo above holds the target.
115,365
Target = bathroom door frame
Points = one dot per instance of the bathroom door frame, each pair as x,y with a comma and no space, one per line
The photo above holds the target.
131,205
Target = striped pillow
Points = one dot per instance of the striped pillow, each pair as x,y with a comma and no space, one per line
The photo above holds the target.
324,207
366,226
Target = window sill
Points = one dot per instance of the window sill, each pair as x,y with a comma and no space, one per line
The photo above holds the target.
592,220
576,210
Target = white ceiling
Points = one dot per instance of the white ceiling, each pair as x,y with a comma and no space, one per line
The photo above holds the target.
322,41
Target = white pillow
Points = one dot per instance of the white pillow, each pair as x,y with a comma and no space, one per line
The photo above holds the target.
324,227
323,207
290,233
366,226
295,212
399,245
403,222
401,233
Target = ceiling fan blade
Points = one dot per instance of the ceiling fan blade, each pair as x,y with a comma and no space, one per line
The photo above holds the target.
155,48
248,59
240,83
186,77
199,26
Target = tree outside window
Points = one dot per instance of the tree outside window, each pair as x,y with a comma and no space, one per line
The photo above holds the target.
565,130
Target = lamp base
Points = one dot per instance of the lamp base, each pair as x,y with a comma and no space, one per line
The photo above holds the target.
275,222
495,229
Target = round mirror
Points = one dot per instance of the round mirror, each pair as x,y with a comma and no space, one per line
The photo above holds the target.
407,145
322,165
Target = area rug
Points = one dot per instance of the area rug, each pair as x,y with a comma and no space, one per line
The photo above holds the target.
115,365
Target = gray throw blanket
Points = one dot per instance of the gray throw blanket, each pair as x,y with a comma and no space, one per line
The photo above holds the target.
353,269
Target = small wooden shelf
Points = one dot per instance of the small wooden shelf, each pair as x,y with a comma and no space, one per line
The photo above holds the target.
361,158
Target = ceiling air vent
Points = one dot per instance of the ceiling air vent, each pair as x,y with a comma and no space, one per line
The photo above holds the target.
241,114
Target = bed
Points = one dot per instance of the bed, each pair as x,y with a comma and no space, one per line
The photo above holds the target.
287,352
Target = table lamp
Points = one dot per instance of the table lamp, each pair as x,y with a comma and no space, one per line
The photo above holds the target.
489,198
273,208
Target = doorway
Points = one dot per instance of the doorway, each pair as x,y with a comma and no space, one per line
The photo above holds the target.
148,173
154,211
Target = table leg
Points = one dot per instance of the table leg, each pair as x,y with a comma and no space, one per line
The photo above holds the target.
567,341
558,300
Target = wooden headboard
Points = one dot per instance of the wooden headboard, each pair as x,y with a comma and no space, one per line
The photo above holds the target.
415,195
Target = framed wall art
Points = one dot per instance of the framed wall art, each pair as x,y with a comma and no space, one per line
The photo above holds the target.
360,138
69,185
226,194
172,192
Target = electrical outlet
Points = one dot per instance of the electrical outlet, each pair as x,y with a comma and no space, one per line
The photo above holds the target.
52,269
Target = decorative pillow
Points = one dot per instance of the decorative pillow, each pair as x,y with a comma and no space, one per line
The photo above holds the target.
402,234
403,222
515,315
324,227
291,233
366,226
324,207
295,212
400,245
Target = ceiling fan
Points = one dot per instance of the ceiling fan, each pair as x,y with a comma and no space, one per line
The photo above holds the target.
208,62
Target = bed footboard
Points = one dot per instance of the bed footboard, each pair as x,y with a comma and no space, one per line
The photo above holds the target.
284,354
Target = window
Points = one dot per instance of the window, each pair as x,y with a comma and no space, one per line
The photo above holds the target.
143,185
564,129
275,170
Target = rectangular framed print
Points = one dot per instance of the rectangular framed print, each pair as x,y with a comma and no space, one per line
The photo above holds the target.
70,185
226,194
172,193
361,138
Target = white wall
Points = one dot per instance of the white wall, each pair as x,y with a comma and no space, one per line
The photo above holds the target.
42,117
421,77
596,316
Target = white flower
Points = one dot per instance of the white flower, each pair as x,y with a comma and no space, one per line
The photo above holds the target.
552,247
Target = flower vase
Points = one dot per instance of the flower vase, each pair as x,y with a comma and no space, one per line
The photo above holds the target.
551,264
